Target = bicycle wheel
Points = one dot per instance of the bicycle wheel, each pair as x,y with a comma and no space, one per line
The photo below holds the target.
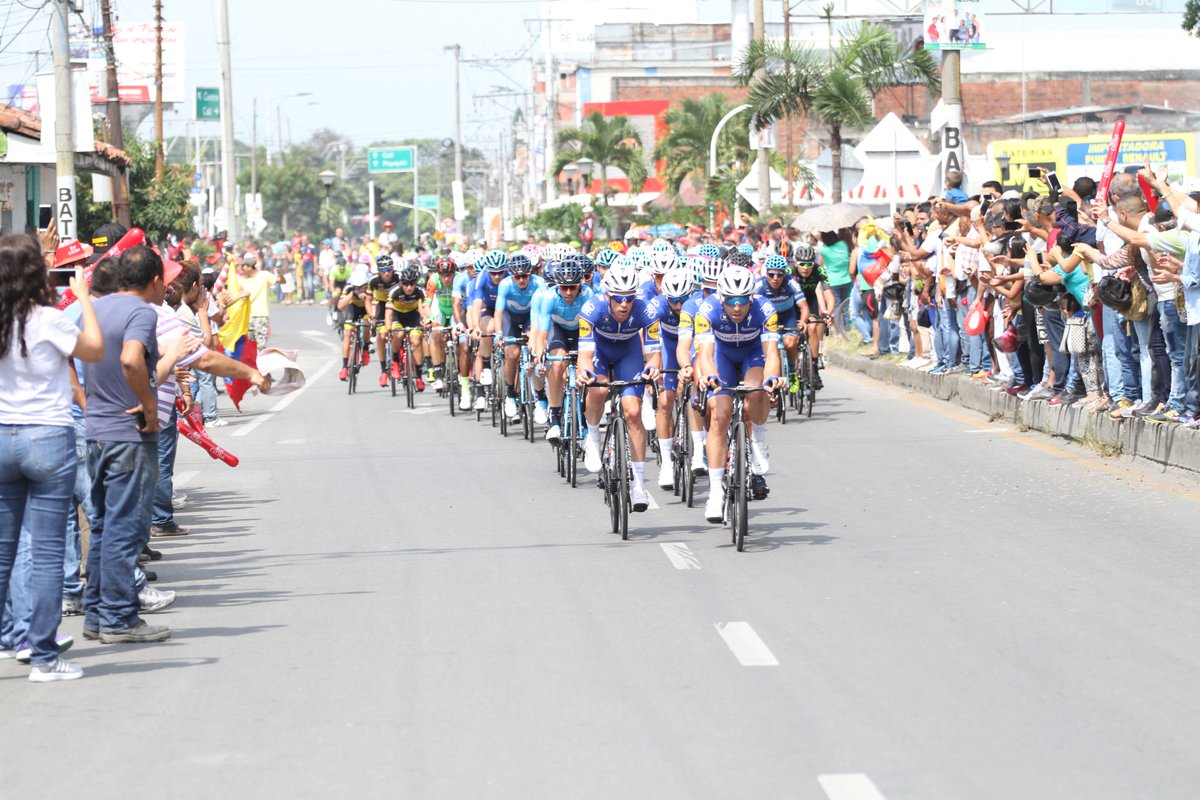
571,437
739,487
843,321
810,385
352,377
621,441
529,401
391,379
608,471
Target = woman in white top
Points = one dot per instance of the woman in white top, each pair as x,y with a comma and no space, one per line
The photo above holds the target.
37,434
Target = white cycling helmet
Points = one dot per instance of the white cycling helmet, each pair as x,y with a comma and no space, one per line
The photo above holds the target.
709,269
624,260
620,279
736,282
663,261
678,282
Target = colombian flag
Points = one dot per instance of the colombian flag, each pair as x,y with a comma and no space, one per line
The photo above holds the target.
234,338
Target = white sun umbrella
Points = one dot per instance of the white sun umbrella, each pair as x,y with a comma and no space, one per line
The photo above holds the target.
830,218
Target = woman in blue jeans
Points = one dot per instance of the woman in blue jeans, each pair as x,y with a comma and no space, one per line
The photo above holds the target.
37,435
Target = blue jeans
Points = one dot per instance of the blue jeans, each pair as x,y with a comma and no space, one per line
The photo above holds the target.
168,441
862,317
82,496
1175,331
979,356
1060,362
206,383
37,469
1141,334
889,330
123,479
1191,367
949,348
841,293
1118,361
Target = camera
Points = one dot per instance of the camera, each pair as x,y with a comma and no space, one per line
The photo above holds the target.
60,277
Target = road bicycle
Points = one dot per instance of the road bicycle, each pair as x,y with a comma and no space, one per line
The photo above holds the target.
737,466
360,353
526,397
681,445
408,368
616,464
570,443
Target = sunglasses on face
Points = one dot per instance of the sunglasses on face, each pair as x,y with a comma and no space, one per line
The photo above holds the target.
568,288
737,302
408,283
679,300
622,299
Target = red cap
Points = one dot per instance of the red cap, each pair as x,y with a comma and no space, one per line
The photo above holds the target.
71,252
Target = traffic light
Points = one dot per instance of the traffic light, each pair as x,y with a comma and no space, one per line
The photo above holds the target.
378,199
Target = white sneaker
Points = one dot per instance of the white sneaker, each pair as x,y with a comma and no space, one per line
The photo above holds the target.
481,403
639,498
714,507
759,458
666,475
178,500
510,407
216,423
554,435
540,415
151,599
591,456
439,385
464,401
485,379
56,670
698,466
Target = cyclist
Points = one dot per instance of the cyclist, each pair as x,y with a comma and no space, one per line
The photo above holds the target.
610,346
484,291
736,338
814,282
460,291
353,303
604,260
661,261
338,277
558,330
708,270
439,299
378,289
789,302
677,286
407,309
514,302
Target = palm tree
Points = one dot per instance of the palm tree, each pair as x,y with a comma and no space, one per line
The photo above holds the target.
835,89
684,149
608,142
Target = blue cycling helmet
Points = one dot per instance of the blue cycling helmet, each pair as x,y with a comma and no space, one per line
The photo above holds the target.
709,251
606,257
568,272
518,264
746,249
775,263
493,261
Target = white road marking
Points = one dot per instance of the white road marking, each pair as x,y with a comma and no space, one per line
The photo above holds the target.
417,410
680,555
653,506
312,333
749,650
184,478
849,786
980,430
285,402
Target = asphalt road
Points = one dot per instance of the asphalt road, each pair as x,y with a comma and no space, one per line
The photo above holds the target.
385,603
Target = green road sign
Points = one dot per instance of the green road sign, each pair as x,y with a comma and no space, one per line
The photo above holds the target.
208,103
390,159
429,201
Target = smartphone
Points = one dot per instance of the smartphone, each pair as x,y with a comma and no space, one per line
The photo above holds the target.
985,204
45,216
908,226
1035,172
61,277
1053,182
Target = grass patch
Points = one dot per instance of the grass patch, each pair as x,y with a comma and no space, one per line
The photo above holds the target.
1100,448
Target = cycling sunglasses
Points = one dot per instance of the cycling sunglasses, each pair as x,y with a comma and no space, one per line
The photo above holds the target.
622,299
408,283
683,299
744,300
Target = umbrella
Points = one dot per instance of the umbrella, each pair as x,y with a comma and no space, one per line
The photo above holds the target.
668,230
830,218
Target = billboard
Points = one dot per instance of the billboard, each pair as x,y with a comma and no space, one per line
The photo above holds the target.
1074,158
134,45
954,25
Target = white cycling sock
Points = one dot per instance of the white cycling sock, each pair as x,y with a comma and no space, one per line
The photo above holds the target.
759,433
664,446
698,441
639,475
715,476
593,435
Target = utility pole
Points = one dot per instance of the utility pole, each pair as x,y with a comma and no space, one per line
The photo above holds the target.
228,180
457,189
254,148
64,145
764,158
951,133
113,110
158,86
551,113
787,153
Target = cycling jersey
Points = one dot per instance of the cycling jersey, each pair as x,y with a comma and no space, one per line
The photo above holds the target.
339,275
356,310
648,290
814,279
555,310
687,314
668,331
405,302
737,346
486,290
540,298
512,299
379,292
786,299
441,298
617,346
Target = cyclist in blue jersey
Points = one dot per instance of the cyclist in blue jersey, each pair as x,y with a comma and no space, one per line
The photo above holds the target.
484,292
611,327
661,262
707,271
558,332
514,301
677,286
604,260
736,340
789,302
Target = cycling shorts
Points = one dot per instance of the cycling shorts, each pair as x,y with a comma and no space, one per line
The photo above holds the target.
670,361
734,362
351,315
515,325
400,319
558,338
620,361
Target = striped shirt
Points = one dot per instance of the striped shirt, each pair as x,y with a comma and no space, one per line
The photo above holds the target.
171,327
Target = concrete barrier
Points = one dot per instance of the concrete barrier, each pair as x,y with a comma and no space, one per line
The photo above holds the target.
1169,445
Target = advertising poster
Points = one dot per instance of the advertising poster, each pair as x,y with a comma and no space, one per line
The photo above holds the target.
954,25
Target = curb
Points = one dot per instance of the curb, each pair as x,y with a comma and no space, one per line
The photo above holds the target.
1168,445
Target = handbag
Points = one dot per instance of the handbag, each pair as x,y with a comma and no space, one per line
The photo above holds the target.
1139,305
1074,340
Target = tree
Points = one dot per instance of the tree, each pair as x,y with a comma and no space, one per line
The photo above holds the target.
608,142
1191,17
835,89
685,148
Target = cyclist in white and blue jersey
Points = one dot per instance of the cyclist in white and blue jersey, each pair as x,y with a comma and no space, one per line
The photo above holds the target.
706,271
677,287
514,303
661,261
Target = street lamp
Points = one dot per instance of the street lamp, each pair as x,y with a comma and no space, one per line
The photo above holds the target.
570,170
327,177
712,157
585,171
